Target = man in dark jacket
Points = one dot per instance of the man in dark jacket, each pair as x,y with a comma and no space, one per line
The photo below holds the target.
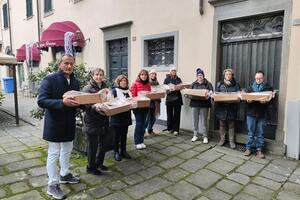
59,124
256,115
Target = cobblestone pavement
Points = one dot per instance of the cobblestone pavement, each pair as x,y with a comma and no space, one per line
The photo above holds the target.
172,167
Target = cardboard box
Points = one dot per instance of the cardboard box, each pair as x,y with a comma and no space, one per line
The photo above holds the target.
111,109
182,86
257,96
196,92
231,97
156,95
87,98
140,102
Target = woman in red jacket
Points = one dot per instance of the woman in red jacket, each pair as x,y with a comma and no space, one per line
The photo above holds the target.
141,84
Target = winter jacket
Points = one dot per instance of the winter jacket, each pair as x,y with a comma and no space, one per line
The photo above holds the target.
91,117
59,124
122,119
227,111
138,86
174,98
202,103
257,109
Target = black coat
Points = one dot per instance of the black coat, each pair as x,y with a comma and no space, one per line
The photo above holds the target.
122,119
59,124
91,118
257,109
227,111
202,103
174,98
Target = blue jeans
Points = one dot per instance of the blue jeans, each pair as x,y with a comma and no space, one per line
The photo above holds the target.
140,119
255,126
150,120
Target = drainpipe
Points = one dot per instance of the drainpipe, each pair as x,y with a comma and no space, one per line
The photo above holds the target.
38,19
9,27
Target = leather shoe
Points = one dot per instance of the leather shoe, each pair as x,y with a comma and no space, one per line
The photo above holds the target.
93,171
117,156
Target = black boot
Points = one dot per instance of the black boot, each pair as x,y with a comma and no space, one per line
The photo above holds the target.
117,156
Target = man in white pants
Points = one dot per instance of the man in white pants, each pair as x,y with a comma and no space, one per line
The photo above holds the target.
59,124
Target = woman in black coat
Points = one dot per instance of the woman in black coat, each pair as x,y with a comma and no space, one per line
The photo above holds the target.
120,122
95,125
173,103
226,113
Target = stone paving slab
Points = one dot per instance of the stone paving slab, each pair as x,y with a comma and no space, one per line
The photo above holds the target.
259,192
32,195
160,196
204,178
147,187
229,186
216,194
184,190
250,168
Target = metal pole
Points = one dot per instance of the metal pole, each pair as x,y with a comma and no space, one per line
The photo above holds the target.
38,20
15,95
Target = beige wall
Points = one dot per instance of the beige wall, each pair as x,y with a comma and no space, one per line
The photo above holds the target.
293,89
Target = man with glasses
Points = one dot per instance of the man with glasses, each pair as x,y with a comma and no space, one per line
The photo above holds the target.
256,116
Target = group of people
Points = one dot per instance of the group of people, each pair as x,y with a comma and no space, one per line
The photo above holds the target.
59,124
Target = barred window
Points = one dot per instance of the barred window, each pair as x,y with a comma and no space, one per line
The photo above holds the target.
160,51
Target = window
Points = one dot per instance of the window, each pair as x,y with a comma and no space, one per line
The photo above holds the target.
5,15
47,6
29,12
160,50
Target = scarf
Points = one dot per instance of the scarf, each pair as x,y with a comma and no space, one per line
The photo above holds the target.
228,83
258,87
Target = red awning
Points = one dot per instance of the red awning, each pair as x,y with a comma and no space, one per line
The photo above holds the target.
53,36
21,53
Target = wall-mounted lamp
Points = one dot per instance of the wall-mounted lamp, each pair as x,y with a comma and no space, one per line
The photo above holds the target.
201,7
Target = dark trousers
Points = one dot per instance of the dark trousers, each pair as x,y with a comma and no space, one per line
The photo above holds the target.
96,150
173,117
150,120
120,138
140,119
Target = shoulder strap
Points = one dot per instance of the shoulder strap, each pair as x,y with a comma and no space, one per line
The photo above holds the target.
114,91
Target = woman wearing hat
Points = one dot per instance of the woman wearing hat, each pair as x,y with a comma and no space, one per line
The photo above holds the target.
154,108
226,113
200,106
173,102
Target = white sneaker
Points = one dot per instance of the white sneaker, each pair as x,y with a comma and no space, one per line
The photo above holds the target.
205,140
175,133
143,146
194,139
139,146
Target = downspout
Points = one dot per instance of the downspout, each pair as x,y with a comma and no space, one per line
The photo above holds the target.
9,27
38,20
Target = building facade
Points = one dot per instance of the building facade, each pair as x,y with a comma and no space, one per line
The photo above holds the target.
124,36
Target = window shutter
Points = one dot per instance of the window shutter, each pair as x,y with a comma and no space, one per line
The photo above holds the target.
29,11
5,15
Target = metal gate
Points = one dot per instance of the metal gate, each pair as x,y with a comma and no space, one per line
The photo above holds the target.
248,45
118,57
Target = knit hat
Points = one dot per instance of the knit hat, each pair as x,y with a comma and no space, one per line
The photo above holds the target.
199,71
173,69
152,71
